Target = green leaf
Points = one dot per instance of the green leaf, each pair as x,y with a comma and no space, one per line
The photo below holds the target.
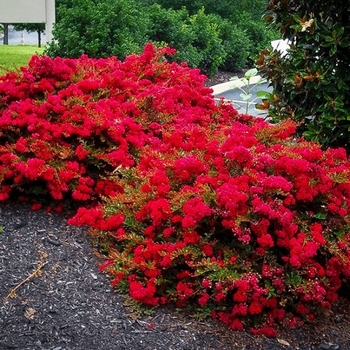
263,94
310,135
338,32
344,43
320,216
333,50
261,81
245,97
251,73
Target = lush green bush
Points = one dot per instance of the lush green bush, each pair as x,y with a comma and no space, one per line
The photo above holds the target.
243,31
191,202
312,83
99,29
258,35
120,28
231,10
202,36
236,46
196,38
167,26
207,44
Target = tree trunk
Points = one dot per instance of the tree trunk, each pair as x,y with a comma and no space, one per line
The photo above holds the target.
6,34
39,38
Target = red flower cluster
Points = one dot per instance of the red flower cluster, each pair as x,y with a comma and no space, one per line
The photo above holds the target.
195,202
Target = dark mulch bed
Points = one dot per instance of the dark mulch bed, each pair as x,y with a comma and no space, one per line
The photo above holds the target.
222,77
68,305
52,297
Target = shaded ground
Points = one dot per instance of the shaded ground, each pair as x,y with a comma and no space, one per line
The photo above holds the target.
52,297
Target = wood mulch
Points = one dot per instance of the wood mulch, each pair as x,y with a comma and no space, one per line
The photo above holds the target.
53,297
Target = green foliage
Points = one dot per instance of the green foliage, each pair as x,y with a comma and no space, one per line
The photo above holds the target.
109,28
206,49
311,83
207,36
258,35
99,29
191,202
235,44
229,10
202,40
247,86
242,30
167,26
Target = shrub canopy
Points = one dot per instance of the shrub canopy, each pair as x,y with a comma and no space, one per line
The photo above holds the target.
191,203
201,35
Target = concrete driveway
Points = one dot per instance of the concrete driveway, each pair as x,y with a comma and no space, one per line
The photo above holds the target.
233,90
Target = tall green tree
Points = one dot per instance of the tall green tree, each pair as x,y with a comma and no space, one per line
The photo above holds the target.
312,82
38,28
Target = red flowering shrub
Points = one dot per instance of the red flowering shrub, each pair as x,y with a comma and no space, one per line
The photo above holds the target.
198,205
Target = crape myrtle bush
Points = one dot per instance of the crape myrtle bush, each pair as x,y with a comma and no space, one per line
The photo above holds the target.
191,202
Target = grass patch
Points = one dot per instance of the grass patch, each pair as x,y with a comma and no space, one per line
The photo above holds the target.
15,56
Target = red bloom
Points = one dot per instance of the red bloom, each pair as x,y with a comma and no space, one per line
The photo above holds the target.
207,249
203,300
265,241
184,291
240,297
158,210
255,308
237,325
206,283
81,152
316,231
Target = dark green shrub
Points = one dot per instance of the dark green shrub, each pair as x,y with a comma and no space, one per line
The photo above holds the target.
209,51
99,29
119,28
167,26
257,34
236,46
203,39
196,38
229,10
312,82
242,30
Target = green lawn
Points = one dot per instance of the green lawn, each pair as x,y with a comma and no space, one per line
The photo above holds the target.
15,56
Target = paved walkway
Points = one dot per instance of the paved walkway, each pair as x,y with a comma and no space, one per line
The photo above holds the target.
232,91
